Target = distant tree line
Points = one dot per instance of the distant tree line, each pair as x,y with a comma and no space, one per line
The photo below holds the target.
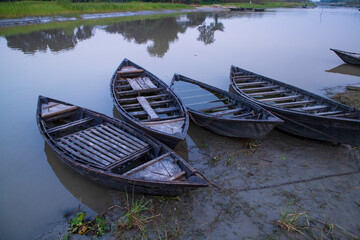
169,1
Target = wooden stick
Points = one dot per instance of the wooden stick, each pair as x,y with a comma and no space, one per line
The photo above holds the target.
177,176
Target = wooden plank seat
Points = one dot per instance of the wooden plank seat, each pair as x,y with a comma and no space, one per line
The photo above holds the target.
169,125
152,104
145,165
250,84
312,108
294,104
103,145
157,111
140,84
226,112
123,87
147,108
268,93
279,99
134,99
161,168
241,79
238,73
247,90
70,125
334,113
126,70
136,92
52,109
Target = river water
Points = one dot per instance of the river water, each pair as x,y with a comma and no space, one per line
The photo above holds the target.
74,61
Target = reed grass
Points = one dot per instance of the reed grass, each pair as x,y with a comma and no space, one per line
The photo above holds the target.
44,8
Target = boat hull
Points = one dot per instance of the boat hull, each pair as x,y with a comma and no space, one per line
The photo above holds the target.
338,129
347,58
319,128
229,128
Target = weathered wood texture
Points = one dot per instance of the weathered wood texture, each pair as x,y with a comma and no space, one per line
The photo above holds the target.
305,114
222,112
113,153
141,97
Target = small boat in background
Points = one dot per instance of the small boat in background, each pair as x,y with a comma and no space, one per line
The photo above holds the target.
348,57
305,114
146,102
259,9
113,153
222,112
236,9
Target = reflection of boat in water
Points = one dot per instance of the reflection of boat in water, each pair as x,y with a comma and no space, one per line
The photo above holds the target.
348,57
346,69
87,192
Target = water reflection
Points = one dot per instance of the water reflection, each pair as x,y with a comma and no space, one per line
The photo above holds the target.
207,32
160,32
346,69
55,39
94,196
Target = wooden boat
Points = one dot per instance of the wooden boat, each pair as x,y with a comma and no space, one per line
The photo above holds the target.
348,57
222,112
259,9
113,153
148,103
305,114
236,9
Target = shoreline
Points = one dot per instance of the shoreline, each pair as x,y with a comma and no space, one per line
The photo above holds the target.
51,19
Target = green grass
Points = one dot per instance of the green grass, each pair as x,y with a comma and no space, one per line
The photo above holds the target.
42,8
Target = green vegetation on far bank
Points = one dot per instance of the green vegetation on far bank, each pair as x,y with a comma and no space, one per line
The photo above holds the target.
269,5
66,7
45,8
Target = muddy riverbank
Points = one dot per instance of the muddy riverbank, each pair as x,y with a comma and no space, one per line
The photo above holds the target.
231,212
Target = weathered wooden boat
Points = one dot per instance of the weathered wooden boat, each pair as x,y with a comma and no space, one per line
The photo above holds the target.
348,57
112,152
148,103
222,112
305,114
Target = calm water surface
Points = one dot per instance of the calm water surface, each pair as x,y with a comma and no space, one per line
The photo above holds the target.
74,62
